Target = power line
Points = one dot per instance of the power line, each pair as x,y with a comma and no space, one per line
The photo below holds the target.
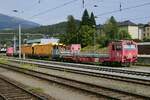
72,1
30,8
137,18
128,8
49,10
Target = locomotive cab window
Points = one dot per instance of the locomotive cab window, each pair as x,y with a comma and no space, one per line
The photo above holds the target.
129,47
118,47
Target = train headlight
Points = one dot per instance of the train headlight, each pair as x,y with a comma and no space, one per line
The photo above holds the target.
129,56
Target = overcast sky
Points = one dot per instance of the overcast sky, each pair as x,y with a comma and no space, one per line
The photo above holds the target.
28,8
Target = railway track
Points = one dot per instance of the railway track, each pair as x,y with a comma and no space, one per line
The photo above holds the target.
108,93
92,67
11,91
143,79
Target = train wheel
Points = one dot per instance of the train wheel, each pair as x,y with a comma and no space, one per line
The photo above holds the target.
104,63
126,64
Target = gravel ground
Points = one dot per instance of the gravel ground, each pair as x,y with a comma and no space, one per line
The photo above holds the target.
56,91
142,68
134,88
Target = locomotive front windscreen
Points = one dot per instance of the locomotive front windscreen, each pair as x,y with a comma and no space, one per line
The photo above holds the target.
129,47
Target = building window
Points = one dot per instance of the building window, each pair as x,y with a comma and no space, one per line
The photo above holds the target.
147,28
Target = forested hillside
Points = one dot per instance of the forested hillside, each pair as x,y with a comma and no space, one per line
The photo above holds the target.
58,28
49,29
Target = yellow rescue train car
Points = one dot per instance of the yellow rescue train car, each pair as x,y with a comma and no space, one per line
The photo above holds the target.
43,50
26,50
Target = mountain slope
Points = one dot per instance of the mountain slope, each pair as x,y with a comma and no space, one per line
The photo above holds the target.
51,29
8,22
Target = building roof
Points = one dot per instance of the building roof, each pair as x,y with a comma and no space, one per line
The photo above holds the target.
49,40
147,25
127,23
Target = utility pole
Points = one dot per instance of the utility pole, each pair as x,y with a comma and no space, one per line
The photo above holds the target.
16,11
14,43
19,41
94,41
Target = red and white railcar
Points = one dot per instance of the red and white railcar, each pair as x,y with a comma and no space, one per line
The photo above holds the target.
10,51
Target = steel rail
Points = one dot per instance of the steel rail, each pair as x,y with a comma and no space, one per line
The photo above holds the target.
92,73
93,67
15,87
96,89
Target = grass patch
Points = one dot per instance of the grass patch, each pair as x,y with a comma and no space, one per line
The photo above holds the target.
3,61
36,89
28,66
98,49
143,64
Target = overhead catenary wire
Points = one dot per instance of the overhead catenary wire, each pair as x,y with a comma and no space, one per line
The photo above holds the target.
72,1
51,9
123,9
137,18
30,8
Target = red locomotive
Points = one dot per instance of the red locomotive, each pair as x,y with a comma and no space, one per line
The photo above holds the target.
124,52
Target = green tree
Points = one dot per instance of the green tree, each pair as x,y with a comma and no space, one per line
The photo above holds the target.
111,29
85,18
86,35
70,36
71,25
92,20
102,39
124,35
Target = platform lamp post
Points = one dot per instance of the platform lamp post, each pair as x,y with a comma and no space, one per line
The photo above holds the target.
19,30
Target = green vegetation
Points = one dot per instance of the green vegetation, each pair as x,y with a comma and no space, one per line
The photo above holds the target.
97,49
36,89
146,39
124,35
3,61
88,34
69,37
84,34
28,66
110,31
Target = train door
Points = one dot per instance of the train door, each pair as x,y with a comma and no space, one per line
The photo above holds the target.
115,52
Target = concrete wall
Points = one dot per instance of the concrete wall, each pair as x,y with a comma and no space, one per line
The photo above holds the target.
140,33
133,31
